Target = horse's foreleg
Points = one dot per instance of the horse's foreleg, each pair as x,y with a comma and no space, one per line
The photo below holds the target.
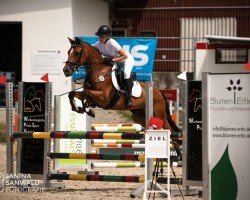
85,106
72,95
87,109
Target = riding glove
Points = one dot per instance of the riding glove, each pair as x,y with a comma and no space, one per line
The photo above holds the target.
108,61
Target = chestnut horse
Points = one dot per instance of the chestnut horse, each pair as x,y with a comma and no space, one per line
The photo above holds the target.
99,90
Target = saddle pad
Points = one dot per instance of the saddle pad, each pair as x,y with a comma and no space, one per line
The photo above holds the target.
136,90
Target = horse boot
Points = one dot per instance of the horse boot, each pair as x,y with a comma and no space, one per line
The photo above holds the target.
128,88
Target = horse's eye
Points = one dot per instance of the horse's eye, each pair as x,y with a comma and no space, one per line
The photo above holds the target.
77,53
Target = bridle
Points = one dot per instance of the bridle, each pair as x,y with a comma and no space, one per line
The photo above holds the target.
75,65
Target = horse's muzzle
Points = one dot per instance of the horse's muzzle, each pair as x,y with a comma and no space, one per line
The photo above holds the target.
67,71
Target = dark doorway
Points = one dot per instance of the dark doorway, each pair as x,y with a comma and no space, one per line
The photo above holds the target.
11,50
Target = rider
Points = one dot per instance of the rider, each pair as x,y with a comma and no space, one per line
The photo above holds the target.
113,52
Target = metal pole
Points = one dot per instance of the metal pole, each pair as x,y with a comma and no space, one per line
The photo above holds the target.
9,127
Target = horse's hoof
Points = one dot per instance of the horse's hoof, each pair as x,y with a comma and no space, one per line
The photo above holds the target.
179,157
91,113
71,95
92,105
80,110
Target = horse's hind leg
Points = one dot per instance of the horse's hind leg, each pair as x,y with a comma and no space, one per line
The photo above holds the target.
160,112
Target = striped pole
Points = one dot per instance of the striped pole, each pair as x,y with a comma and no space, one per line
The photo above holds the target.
117,165
86,135
109,178
119,124
136,128
125,145
101,141
94,156
106,178
118,145
77,135
128,164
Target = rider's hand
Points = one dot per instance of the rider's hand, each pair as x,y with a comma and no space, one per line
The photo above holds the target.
108,61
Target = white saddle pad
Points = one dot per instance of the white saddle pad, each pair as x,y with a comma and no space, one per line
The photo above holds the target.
136,90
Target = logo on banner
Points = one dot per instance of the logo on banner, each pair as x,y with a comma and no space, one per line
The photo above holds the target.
234,88
139,54
236,98
196,98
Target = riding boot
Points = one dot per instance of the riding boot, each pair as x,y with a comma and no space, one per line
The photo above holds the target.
128,87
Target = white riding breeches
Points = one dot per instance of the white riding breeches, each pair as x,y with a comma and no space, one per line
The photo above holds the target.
127,66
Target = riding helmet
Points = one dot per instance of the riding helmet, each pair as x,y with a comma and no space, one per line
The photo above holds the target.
103,30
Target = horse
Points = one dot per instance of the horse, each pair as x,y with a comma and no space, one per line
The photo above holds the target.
99,91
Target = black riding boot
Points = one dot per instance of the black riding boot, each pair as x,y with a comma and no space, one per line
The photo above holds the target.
128,87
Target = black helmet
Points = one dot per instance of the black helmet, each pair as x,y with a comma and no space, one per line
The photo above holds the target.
103,30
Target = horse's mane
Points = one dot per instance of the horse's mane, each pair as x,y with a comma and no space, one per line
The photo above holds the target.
97,50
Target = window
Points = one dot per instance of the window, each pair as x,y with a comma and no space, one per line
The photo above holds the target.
231,56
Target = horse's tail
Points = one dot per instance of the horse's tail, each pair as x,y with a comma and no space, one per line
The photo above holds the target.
171,122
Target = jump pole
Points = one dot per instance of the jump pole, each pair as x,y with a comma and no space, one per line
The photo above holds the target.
78,135
111,145
127,164
106,178
95,156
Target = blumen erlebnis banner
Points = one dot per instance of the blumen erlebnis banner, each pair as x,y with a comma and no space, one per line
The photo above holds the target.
142,49
227,114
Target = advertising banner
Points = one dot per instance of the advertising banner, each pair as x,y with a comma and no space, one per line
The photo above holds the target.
69,120
142,49
34,117
227,142
194,129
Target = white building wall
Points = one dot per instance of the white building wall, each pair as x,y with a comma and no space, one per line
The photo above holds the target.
47,24
88,15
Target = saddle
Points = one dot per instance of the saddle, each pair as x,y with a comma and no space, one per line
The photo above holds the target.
119,74
118,82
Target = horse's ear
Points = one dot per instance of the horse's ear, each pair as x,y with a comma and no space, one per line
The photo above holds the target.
77,41
71,41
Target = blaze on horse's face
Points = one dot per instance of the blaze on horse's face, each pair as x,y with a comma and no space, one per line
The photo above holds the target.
75,58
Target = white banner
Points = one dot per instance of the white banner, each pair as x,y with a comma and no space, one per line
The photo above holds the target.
67,120
228,134
46,62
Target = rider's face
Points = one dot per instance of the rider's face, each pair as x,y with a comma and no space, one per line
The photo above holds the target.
104,38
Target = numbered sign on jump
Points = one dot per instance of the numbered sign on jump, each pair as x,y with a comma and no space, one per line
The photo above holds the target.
157,143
